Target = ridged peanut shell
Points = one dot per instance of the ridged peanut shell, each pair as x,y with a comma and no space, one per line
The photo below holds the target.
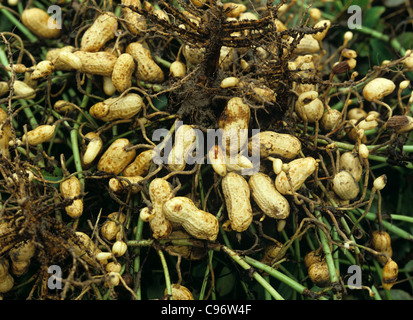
37,21
179,292
125,184
135,22
378,88
275,144
122,72
101,31
140,166
237,199
266,196
345,186
99,63
299,171
351,163
146,70
116,158
41,134
198,223
117,108
390,273
185,139
160,191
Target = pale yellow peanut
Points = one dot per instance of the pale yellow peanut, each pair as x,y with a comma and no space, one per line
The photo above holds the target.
185,139
124,107
298,171
41,134
147,69
160,191
351,163
237,199
112,225
92,149
4,143
309,107
98,63
40,23
269,200
43,69
275,144
20,257
135,22
217,159
69,189
116,158
345,186
23,90
122,72
378,88
234,122
64,59
177,69
140,166
101,31
198,223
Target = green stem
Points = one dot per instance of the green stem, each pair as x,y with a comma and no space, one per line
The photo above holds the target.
18,24
166,273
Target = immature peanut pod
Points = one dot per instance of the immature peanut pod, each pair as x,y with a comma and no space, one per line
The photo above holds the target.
237,199
356,114
42,70
119,248
70,189
345,186
177,69
101,31
331,119
40,23
135,22
62,106
400,124
85,248
319,274
307,45
309,107
390,273
112,225
23,90
4,88
140,166
92,149
186,252
116,158
234,121
378,88
198,223
185,139
312,257
160,191
276,144
193,55
239,164
4,143
147,69
20,257
272,253
322,24
39,135
99,63
381,242
122,72
298,171
351,163
124,107
179,292
266,196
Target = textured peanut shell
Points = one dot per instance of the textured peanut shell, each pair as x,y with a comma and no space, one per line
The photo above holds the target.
179,292
276,144
351,163
42,69
299,171
93,148
160,191
63,64
117,108
185,139
319,274
70,187
266,196
122,72
39,135
101,31
237,199
125,184
235,117
135,22
37,21
99,63
141,164
378,88
345,186
147,69
116,158
198,223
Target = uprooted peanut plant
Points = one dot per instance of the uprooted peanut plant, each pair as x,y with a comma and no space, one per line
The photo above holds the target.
84,93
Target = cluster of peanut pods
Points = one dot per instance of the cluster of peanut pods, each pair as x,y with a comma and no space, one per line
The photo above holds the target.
252,190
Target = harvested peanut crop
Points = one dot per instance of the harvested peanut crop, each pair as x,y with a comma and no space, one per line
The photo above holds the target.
206,150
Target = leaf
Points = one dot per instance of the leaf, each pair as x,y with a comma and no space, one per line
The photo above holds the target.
397,294
372,16
379,51
405,39
393,3
361,3
225,282
160,102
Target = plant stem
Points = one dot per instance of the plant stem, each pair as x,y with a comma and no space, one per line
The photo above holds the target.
166,273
